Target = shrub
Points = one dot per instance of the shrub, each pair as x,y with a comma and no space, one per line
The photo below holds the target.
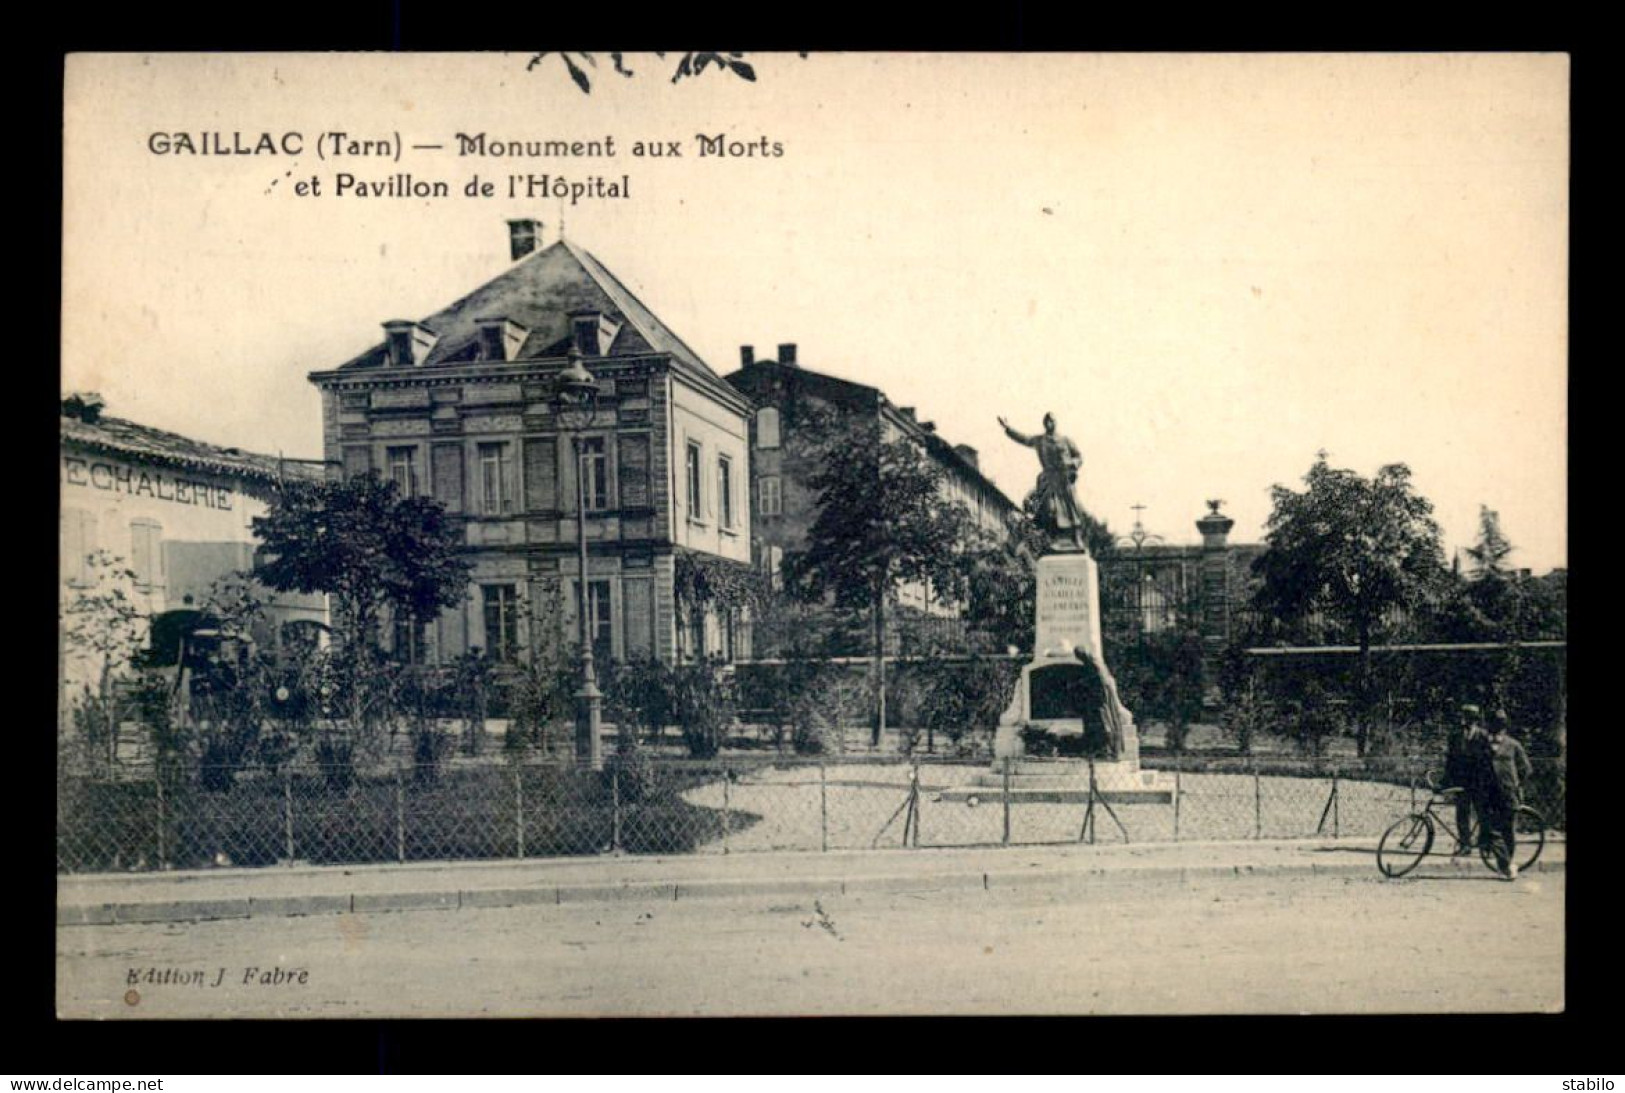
1246,717
704,703
429,748
542,696
638,698
829,697
964,698
634,771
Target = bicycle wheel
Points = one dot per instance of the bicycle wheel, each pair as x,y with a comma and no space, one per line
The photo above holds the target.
1530,828
1404,845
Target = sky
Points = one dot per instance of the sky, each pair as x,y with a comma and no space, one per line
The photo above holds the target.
1208,267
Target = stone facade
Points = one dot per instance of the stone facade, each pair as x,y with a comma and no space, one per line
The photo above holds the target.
462,411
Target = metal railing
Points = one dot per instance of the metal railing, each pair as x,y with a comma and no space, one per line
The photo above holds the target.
491,810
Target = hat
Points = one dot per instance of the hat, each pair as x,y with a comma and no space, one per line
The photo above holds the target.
1471,711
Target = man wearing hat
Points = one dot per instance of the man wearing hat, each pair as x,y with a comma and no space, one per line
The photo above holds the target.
1503,792
1466,766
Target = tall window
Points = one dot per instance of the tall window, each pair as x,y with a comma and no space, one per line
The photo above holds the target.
696,634
408,639
600,624
767,427
146,552
595,469
501,621
496,478
729,623
695,512
725,490
403,469
772,500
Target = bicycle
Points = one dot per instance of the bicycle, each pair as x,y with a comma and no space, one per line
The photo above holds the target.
1408,840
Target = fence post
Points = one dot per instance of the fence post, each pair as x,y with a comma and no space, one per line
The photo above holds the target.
1088,833
400,818
1258,804
1336,831
615,809
823,808
519,808
727,815
1178,792
1007,801
163,857
287,814
914,788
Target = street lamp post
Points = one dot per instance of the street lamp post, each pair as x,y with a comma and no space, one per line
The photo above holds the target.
575,401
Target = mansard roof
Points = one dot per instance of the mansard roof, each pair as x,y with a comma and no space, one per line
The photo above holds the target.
538,292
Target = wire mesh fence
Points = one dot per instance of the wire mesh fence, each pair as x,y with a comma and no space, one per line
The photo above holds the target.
493,810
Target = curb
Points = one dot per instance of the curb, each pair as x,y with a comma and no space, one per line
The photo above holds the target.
453,899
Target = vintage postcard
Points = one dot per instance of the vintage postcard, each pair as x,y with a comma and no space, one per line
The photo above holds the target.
753,533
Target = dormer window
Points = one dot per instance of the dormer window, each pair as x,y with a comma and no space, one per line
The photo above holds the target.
592,332
408,342
500,339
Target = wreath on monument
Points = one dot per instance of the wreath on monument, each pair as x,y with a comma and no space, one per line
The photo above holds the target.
1085,742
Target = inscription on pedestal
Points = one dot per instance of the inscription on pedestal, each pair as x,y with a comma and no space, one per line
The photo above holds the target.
1068,607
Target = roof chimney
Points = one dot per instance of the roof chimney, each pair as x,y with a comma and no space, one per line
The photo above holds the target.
787,353
747,356
84,405
524,236
969,455
908,412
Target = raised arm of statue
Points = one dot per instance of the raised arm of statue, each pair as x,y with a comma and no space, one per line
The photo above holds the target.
1018,437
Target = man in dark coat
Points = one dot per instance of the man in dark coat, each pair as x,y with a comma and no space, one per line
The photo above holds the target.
1502,792
1465,764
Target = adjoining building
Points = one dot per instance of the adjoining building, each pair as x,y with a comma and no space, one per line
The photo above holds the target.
789,397
458,406
175,513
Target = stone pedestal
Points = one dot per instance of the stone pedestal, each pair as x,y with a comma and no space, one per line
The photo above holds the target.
1067,690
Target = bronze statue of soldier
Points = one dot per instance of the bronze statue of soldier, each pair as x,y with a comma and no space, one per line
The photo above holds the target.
1059,514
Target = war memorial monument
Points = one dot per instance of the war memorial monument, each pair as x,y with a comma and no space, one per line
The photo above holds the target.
1066,695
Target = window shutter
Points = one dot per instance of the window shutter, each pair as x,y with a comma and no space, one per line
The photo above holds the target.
509,476
634,472
446,466
141,552
357,462
541,475
74,546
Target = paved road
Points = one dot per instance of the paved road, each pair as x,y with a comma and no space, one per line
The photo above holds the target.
1263,944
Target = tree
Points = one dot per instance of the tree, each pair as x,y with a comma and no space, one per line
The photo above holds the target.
1490,551
1354,548
104,624
882,522
691,63
1492,602
374,552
